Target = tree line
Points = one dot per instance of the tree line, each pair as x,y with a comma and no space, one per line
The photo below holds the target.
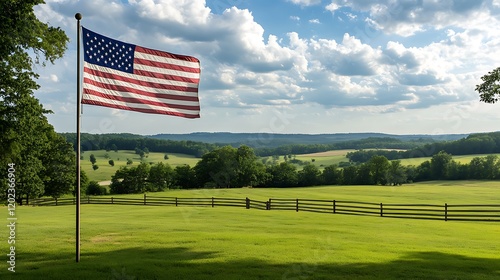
481,143
230,167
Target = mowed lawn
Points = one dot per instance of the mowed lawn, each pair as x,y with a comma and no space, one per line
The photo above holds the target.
168,242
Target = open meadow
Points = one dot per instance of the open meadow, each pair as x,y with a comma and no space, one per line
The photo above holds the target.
168,242
105,170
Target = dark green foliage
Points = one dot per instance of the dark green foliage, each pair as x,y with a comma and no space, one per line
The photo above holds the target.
185,177
130,180
92,159
309,176
26,137
161,177
111,162
282,175
489,90
94,188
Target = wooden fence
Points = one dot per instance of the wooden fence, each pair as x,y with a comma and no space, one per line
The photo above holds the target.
446,212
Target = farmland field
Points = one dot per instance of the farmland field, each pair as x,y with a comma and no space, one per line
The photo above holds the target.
168,242
105,170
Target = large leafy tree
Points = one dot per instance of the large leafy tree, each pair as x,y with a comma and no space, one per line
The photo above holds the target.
489,90
25,134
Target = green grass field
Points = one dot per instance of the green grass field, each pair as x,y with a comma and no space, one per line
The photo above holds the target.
105,170
462,159
168,242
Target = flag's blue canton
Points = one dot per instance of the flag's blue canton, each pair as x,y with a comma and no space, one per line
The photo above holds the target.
108,52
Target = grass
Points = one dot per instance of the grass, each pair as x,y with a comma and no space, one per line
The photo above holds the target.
168,242
105,170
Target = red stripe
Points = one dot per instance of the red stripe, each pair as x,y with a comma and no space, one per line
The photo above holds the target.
148,111
166,76
166,65
139,82
140,92
138,101
166,54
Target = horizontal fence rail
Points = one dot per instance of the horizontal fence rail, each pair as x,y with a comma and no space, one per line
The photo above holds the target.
446,212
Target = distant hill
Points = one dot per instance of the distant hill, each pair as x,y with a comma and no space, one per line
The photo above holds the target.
276,140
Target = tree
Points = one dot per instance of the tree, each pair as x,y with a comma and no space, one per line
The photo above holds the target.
218,168
185,177
24,130
111,162
379,166
309,175
59,171
92,159
161,176
396,173
94,188
95,166
130,180
489,90
331,175
282,175
439,165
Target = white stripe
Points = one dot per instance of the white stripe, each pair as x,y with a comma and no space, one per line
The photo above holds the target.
139,77
138,66
140,97
136,105
103,80
163,59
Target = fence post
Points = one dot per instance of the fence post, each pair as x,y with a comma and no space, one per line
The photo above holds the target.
176,201
74,201
334,206
111,200
446,212
144,199
297,205
212,202
381,210
247,203
88,199
56,201
269,204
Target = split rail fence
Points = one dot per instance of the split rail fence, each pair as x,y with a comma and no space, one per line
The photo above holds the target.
446,212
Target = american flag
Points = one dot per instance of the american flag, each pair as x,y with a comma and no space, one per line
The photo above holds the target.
129,77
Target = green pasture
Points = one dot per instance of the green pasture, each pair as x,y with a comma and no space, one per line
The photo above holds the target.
464,159
105,170
168,242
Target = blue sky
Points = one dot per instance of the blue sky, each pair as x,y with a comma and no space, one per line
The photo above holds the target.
297,66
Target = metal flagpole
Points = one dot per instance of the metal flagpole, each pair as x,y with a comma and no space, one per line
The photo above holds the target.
78,17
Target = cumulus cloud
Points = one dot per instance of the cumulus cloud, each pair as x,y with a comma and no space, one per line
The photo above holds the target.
406,18
247,68
305,2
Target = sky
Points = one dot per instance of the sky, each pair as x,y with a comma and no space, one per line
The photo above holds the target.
296,66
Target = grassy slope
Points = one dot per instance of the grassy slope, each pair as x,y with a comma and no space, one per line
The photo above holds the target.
167,242
105,170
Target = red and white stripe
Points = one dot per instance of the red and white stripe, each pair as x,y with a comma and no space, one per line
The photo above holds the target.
162,83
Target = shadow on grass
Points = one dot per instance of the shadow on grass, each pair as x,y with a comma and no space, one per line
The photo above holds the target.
182,263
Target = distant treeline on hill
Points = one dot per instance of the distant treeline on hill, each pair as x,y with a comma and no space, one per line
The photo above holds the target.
481,143
126,141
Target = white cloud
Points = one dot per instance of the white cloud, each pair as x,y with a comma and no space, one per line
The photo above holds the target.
406,18
315,21
306,2
247,72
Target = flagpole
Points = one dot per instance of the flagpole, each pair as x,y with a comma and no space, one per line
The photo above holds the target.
78,17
